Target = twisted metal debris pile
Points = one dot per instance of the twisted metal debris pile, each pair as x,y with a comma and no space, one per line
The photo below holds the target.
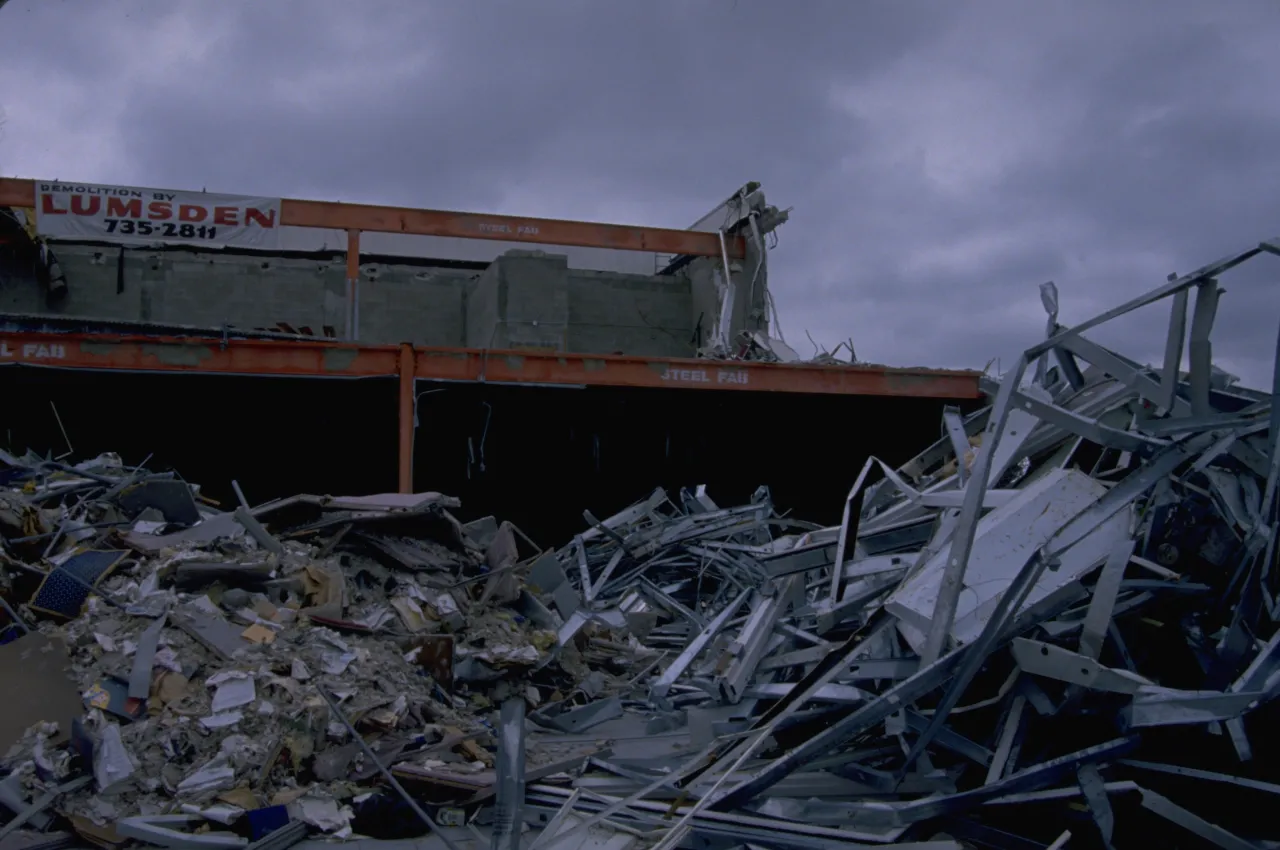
1057,624
1053,627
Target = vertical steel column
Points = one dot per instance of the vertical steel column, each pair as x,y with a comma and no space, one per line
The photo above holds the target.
944,610
1200,348
407,383
725,322
507,818
353,285
1170,372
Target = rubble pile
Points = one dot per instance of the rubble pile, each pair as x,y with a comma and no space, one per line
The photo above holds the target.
1055,627
767,349
198,647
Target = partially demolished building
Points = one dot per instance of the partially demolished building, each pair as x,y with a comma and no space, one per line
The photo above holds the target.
383,277
1054,627
466,341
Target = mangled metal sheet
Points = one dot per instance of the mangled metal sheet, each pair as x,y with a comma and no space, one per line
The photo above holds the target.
1005,539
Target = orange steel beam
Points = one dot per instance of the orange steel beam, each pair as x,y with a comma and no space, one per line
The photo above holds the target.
407,382
506,228
287,358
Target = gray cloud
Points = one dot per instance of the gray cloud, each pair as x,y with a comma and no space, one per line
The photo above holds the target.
943,158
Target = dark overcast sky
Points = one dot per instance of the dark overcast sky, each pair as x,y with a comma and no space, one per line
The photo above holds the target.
943,158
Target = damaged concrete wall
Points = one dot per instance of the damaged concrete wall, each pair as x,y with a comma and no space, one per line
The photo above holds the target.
212,289
642,315
750,299
530,299
524,299
398,303
748,215
520,301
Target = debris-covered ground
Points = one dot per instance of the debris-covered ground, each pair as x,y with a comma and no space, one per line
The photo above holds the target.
1053,628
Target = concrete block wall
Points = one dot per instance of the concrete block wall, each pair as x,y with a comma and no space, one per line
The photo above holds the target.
210,289
704,301
630,314
529,299
401,303
524,299
188,288
398,303
96,294
520,301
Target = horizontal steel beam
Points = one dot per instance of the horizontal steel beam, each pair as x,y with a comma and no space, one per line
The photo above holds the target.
323,358
462,225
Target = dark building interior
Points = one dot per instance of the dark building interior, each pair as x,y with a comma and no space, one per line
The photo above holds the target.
536,456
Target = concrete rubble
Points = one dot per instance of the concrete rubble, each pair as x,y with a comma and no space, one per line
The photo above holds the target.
1055,627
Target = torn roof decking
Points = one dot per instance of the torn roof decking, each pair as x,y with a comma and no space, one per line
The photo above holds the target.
304,358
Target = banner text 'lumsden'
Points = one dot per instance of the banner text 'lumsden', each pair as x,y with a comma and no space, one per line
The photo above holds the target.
163,206
87,212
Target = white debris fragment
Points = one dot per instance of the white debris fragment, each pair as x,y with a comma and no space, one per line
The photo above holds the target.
324,814
112,762
376,617
221,721
331,637
446,608
52,763
167,659
336,663
502,654
234,689
223,814
149,585
215,775
205,605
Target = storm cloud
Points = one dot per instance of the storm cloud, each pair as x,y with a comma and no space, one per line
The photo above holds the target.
942,158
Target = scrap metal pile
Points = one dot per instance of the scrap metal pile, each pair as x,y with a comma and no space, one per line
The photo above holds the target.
1055,627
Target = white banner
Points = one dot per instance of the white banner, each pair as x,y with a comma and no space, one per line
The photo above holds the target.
89,212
